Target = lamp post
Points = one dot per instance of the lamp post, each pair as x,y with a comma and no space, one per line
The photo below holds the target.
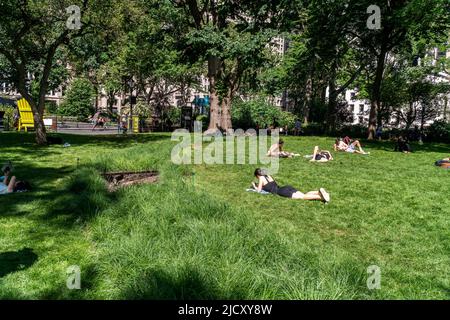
131,85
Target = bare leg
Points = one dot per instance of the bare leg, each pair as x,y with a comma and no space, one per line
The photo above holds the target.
358,144
316,151
308,196
11,184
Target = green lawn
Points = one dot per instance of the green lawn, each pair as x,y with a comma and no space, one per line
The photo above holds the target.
198,235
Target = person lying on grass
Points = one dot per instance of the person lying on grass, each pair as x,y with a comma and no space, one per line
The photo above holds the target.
12,185
444,163
276,151
321,155
340,145
268,184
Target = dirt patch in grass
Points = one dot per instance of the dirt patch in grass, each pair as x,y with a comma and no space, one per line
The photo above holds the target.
117,180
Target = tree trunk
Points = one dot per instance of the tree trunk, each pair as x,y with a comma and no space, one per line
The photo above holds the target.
39,127
226,112
308,100
445,108
375,103
96,97
332,100
213,67
38,115
379,118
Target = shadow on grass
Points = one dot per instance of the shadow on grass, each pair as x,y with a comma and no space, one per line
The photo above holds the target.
88,279
20,140
83,195
189,284
11,262
389,146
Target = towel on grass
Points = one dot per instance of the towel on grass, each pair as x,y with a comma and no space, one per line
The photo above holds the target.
260,192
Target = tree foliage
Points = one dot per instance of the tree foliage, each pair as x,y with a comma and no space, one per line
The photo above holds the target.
79,100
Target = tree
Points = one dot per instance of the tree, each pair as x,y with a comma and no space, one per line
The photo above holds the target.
32,34
79,99
213,26
402,23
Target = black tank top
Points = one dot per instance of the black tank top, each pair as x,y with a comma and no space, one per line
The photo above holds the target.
271,186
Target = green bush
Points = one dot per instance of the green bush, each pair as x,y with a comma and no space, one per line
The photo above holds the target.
174,115
51,108
204,119
354,131
78,101
439,131
259,113
313,129
8,118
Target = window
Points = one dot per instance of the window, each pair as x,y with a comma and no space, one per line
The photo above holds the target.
361,108
441,54
352,108
353,96
361,120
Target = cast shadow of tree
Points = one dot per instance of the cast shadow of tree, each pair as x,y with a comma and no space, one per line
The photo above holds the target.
389,146
186,284
14,261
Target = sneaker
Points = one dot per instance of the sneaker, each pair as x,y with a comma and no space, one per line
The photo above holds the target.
325,195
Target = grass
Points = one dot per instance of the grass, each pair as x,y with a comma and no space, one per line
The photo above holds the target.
203,237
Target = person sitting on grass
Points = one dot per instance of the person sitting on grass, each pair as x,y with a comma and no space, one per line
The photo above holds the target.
268,184
340,145
12,185
277,151
402,145
321,155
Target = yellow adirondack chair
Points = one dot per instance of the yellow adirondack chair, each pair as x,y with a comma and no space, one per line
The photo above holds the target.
26,115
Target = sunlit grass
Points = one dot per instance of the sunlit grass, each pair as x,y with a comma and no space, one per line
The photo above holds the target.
202,236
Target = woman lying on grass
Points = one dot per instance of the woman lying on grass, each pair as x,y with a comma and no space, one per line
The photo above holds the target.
444,163
277,151
11,185
340,145
268,184
321,155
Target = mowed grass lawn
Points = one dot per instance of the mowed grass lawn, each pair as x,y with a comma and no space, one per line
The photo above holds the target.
198,235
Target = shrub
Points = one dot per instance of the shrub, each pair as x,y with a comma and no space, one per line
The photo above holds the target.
204,119
439,131
313,129
8,118
354,131
51,108
259,113
78,101
174,115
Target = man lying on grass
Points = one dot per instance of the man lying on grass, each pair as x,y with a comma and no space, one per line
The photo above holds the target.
340,145
321,155
12,185
276,151
268,184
